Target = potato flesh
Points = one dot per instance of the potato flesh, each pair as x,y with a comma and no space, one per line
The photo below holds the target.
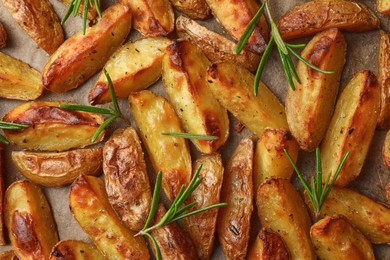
76,250
3,37
195,9
268,245
384,80
383,6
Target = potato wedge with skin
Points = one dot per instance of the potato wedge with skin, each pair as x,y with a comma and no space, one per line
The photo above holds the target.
39,20
195,9
386,150
81,56
351,128
154,115
75,250
131,75
268,245
3,37
237,190
8,255
52,128
58,169
384,80
383,6
318,15
92,13
310,106
126,178
18,80
232,86
388,192
335,238
29,221
281,209
89,205
2,187
184,70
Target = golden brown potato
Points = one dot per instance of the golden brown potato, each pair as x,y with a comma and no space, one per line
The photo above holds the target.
237,190
310,107
351,128
58,169
131,75
281,209
318,15
184,75
2,185
388,192
334,238
92,13
89,204
154,115
126,178
18,80
201,227
386,150
268,245
3,36
383,6
29,221
52,128
195,9
232,86
75,250
81,56
38,19
384,80
8,255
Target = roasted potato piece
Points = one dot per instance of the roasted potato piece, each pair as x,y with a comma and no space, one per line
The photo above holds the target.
384,80
29,221
281,209
38,19
52,128
2,185
201,227
386,150
195,9
351,128
383,6
237,190
310,106
8,255
92,13
268,245
318,15
154,115
89,204
130,75
58,169
75,250
18,80
126,178
184,76
232,86
81,56
334,238
3,36
388,192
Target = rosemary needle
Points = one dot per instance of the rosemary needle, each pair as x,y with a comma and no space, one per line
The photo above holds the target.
10,126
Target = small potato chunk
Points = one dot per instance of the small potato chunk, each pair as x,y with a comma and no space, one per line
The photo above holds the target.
386,150
383,6
131,74
195,9
58,169
318,15
232,86
351,128
154,115
8,255
126,178
334,238
3,37
75,250
92,13
184,76
2,185
384,80
237,190
81,56
52,128
29,221
268,245
388,192
281,209
310,107
89,204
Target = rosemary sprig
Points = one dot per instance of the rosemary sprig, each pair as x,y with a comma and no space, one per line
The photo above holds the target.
316,191
10,126
192,136
177,210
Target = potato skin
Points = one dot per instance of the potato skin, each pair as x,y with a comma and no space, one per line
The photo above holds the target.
384,80
335,238
318,15
3,36
8,255
75,250
58,169
126,178
388,192
351,128
310,107
383,6
195,9
29,221
268,245
386,150
92,13
2,187
81,56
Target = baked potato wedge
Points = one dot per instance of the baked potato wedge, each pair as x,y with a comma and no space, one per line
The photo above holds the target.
126,178
384,80
386,150
18,80
335,238
351,128
318,15
81,56
388,192
75,250
184,70
3,36
195,9
232,86
89,205
52,128
237,190
131,75
29,221
39,20
92,13
8,255
2,186
310,106
268,245
281,209
58,169
154,115
383,6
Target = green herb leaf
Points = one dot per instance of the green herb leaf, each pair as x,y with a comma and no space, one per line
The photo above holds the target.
91,109
156,198
102,127
3,139
262,63
112,93
308,63
155,245
191,136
